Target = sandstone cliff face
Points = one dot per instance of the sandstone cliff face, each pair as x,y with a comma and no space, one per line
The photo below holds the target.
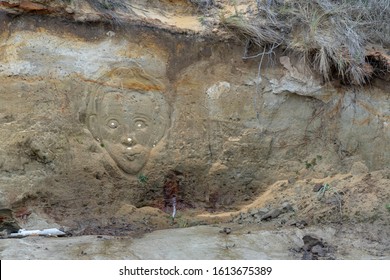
230,128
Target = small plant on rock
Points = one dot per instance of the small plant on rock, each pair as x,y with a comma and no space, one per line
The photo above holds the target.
143,179
326,188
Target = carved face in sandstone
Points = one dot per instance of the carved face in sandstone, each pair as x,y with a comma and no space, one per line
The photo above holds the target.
129,123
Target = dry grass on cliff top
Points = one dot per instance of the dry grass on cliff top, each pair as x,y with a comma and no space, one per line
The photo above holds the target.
332,36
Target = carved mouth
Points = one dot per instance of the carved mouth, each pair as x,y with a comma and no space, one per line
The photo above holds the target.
132,156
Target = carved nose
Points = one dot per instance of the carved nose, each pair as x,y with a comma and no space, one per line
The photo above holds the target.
128,141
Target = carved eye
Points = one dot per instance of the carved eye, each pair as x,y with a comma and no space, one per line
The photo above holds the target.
113,124
139,124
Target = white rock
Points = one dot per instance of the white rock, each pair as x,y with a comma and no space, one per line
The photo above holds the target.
215,91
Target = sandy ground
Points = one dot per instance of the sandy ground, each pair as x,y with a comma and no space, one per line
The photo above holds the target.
349,220
201,242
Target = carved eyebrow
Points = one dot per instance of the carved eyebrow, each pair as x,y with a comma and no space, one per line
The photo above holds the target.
142,116
108,116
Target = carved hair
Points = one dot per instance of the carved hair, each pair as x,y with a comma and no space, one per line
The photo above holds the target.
130,78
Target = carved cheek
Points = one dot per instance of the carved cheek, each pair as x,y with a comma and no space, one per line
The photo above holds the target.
110,135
